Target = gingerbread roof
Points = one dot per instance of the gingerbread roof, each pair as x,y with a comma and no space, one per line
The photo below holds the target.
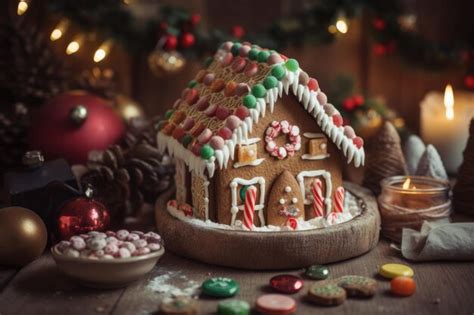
220,105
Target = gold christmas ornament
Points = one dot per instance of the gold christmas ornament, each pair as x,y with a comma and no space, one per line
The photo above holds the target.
127,108
407,22
23,236
165,62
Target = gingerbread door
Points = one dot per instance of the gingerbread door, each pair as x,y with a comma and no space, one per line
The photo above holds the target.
285,200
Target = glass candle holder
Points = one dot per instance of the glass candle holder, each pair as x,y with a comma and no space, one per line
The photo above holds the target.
407,201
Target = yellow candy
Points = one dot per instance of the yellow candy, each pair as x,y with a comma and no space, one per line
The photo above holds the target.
395,270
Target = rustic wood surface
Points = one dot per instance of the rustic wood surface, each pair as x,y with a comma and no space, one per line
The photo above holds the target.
442,288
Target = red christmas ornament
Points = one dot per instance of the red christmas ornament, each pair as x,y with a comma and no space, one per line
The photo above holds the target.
348,104
358,100
171,42
379,49
237,31
469,81
72,124
379,24
195,19
82,215
187,40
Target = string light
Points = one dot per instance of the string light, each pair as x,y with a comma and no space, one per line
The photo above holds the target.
59,30
74,45
102,51
22,7
341,24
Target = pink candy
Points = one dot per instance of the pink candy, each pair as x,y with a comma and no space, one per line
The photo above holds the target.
110,245
232,122
217,142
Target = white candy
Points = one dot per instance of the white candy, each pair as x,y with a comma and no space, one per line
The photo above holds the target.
154,247
112,239
138,233
122,234
96,243
107,257
140,243
111,249
141,251
129,246
124,253
71,252
99,253
110,233
133,237
63,245
152,234
78,244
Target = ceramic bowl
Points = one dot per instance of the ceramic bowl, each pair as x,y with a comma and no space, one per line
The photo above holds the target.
106,273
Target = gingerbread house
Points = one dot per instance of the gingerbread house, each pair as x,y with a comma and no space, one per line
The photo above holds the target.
253,118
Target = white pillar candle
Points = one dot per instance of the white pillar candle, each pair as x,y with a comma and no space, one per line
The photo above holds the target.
445,122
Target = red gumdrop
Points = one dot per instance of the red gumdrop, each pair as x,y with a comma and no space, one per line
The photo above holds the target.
242,112
313,84
358,142
222,112
196,149
178,133
192,96
225,133
337,120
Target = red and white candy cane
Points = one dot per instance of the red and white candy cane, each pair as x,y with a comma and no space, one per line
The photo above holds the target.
249,207
339,200
318,199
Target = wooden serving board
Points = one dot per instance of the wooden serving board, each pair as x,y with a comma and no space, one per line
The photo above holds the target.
272,250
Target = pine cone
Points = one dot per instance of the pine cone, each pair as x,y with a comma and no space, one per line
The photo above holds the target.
97,81
13,136
126,177
384,159
29,71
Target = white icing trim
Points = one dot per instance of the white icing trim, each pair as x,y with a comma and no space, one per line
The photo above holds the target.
258,207
252,163
313,135
327,177
206,197
315,157
250,141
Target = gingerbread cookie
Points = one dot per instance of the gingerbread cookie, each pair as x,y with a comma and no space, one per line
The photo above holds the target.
181,305
327,293
358,286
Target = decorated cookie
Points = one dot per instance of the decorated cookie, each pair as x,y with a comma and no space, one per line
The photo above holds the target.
358,286
276,304
326,293
181,305
233,307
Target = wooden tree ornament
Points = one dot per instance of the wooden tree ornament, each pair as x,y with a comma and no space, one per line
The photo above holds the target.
463,192
385,158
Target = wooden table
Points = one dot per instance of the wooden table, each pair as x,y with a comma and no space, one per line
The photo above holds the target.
442,288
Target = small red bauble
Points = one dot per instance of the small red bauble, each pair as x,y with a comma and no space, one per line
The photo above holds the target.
358,100
72,124
171,42
82,215
288,284
187,40
348,104
195,19
379,24
237,31
469,81
379,49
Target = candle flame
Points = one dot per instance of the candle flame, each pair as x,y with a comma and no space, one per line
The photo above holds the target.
406,184
449,102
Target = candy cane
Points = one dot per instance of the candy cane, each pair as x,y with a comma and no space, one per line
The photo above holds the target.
249,207
339,200
318,199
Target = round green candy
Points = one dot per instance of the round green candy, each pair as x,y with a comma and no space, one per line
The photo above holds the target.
169,113
242,192
220,287
192,83
187,139
292,65
317,272
207,152
263,56
235,50
270,82
233,307
259,91
208,61
253,53
250,101
278,72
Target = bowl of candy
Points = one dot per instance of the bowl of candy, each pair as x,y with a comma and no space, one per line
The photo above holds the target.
108,259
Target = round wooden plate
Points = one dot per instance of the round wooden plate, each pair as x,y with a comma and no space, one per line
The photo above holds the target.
272,250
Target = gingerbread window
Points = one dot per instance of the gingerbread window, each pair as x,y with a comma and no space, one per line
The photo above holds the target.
247,154
317,146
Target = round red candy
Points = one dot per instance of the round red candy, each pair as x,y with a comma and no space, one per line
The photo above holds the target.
276,304
222,112
225,133
337,120
239,64
358,142
192,96
313,84
242,112
288,284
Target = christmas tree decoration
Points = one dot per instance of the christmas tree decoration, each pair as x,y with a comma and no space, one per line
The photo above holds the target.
431,165
237,31
102,51
127,108
59,30
384,159
81,215
413,150
74,123
22,7
463,191
163,62
23,236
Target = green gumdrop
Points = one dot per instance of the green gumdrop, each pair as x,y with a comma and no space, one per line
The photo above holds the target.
192,83
235,49
243,191
187,139
250,101
278,72
270,82
253,54
259,91
207,152
292,65
169,113
263,56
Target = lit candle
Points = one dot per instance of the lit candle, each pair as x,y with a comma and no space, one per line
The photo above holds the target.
445,124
